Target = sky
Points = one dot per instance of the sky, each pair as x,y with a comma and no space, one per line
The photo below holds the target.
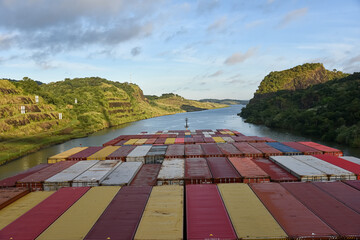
197,49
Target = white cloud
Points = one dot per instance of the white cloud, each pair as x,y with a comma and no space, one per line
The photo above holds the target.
292,16
219,24
239,57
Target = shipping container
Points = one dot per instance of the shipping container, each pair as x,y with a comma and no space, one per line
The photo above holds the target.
171,172
156,154
10,195
299,169
65,177
103,153
250,218
353,183
266,149
11,181
198,140
64,155
81,216
276,173
343,220
31,224
131,141
229,150
306,150
163,215
21,206
297,221
170,141
209,140
122,175
175,151
122,216
120,143
189,140
325,149
222,170
249,171
35,181
266,139
194,151
286,150
228,139
218,139
140,141
351,159
248,139
342,192
197,171
179,140
206,216
333,172
94,175
160,140
151,141
211,150
121,153
138,154
82,155
342,163
147,175
248,150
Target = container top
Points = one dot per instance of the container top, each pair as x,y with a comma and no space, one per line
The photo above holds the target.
211,149
345,164
67,153
220,167
147,175
246,148
247,168
7,194
351,159
97,172
301,147
172,169
265,148
11,181
197,168
206,213
85,153
175,150
103,152
320,147
353,183
139,151
121,152
282,147
122,174
193,149
275,172
228,149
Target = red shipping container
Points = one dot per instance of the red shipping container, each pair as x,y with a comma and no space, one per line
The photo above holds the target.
325,149
189,140
198,139
160,141
121,218
120,143
209,140
306,150
296,220
11,181
339,217
82,155
353,183
121,153
147,175
179,140
276,173
10,195
340,162
222,170
247,149
206,216
35,221
249,171
197,171
194,151
150,141
229,150
35,181
175,151
342,192
266,149
211,150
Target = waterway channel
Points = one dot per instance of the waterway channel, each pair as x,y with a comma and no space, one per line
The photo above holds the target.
224,118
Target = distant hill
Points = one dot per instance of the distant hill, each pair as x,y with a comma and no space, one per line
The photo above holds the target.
100,104
226,101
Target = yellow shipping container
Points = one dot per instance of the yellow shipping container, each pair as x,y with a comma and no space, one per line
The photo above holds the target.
170,141
163,214
250,218
141,141
78,220
62,156
131,141
218,139
21,206
103,153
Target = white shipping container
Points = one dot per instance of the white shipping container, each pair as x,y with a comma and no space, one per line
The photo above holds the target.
171,172
138,154
122,174
228,139
301,170
94,175
65,177
351,159
333,172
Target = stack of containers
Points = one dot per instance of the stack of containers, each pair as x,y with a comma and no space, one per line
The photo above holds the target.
248,150
82,155
222,170
138,154
286,150
175,151
171,172
64,155
249,171
342,163
351,159
197,171
229,150
147,175
211,150
266,149
94,175
140,141
325,149
122,175
10,195
65,177
103,153
276,173
299,169
194,151
121,153
306,150
218,139
156,154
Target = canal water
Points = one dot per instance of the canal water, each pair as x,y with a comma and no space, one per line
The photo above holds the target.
224,118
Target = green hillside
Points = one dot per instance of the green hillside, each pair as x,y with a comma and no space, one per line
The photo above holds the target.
330,110
226,101
100,104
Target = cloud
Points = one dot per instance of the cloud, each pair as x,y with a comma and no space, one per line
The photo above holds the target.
6,41
354,59
180,32
216,74
254,24
218,24
239,57
206,6
292,16
136,51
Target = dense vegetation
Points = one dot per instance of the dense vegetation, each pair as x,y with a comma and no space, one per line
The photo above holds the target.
330,110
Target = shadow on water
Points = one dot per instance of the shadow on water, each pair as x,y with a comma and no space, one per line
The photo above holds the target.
224,118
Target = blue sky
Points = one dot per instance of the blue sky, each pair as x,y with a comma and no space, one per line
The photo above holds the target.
197,49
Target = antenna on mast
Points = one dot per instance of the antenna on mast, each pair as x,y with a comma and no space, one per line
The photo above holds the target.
186,123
